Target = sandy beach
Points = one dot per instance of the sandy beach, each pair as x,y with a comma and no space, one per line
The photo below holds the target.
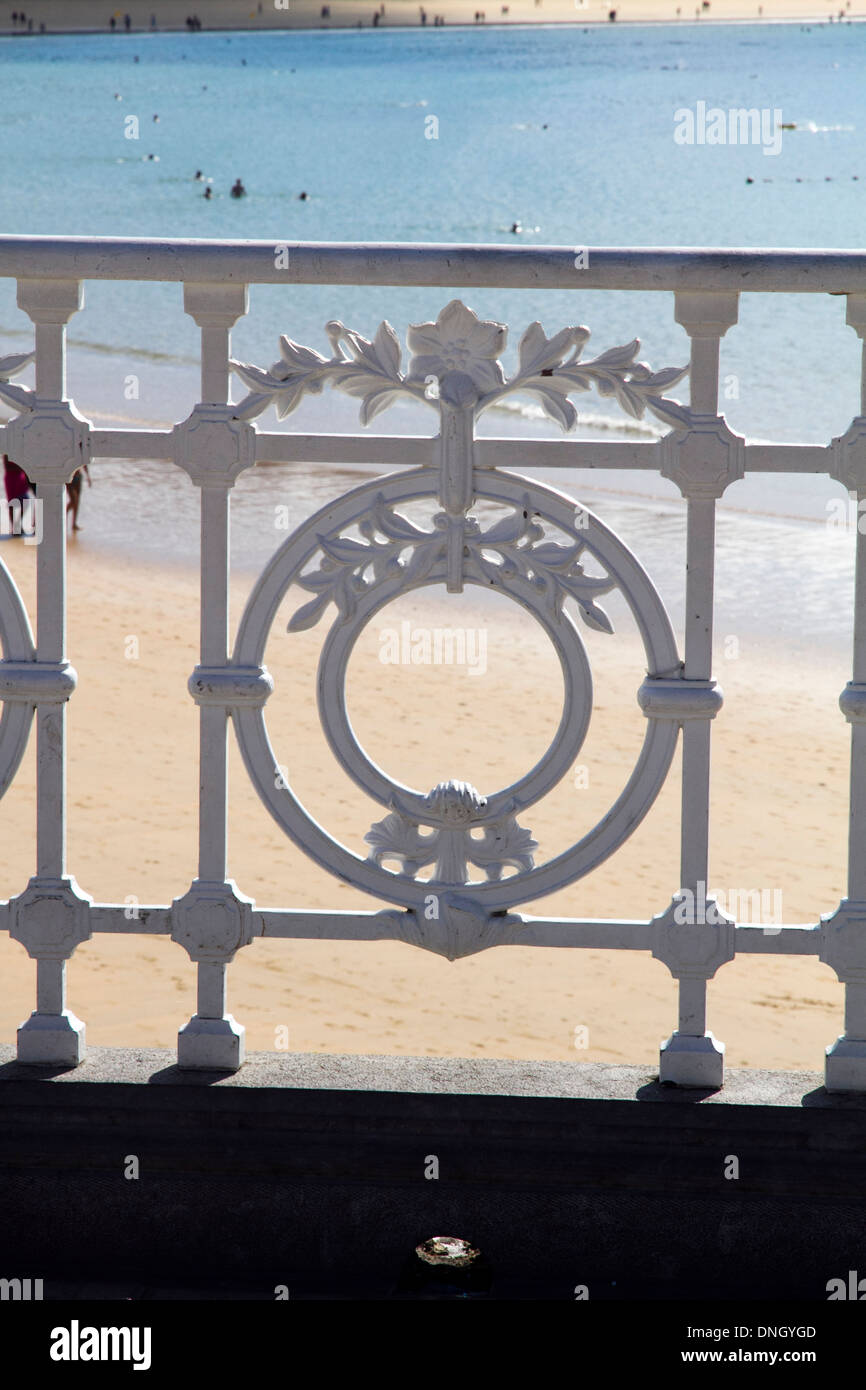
60,16
779,821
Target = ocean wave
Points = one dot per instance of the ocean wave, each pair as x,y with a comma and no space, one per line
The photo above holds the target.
113,349
531,410
815,129
146,354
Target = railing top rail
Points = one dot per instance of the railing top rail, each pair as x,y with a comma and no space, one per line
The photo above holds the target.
408,263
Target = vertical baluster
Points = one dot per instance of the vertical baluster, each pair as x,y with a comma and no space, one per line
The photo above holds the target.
843,945
703,462
213,731
51,917
213,919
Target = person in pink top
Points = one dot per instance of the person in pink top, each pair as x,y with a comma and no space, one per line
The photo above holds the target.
18,485
18,489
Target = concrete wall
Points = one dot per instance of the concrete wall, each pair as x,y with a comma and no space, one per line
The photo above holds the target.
309,1171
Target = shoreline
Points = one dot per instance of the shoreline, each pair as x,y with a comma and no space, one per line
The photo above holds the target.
237,16
643,22
797,524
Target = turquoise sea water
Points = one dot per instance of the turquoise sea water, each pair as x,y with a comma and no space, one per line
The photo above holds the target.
568,132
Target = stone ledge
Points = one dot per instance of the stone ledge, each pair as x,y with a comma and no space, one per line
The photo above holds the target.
436,1076
309,1170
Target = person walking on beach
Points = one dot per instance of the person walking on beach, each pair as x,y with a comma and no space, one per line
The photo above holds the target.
73,494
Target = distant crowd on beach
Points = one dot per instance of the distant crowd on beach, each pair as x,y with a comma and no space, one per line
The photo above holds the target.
25,24
25,21
20,20
192,22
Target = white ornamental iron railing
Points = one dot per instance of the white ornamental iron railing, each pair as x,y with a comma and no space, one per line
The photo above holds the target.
362,552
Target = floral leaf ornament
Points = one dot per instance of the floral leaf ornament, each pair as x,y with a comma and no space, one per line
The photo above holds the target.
21,397
392,545
460,352
370,369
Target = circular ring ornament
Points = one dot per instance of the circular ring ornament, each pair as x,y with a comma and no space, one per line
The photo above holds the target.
550,769
18,647
529,569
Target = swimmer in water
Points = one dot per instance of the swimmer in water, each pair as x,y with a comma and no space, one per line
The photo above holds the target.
303,197
208,193
238,190
198,174
516,228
